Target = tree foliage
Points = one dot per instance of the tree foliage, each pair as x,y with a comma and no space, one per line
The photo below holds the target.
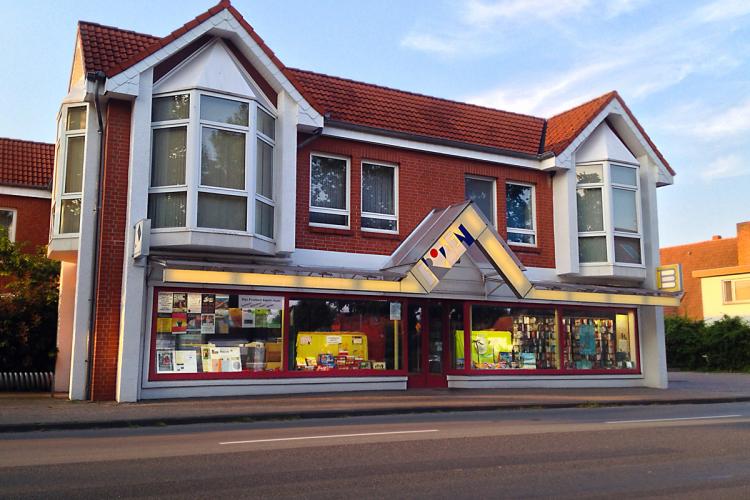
695,345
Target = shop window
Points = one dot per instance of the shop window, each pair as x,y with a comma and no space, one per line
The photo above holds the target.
481,191
456,329
608,214
8,222
599,340
736,291
512,338
379,197
217,333
70,161
520,207
329,191
345,335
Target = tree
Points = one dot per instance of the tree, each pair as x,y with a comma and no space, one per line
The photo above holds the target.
28,308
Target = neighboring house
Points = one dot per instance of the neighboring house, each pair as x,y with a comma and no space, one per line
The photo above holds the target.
716,276
264,229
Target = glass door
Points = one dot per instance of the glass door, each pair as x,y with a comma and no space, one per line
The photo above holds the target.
426,343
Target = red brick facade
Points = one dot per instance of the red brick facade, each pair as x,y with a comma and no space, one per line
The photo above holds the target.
111,250
32,222
426,181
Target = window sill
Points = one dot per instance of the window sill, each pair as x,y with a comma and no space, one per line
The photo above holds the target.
524,249
378,235
330,230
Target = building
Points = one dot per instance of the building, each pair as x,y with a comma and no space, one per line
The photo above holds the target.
716,276
242,227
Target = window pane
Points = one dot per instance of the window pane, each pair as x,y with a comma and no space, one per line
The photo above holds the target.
264,169
168,156
222,212
519,206
598,340
173,107
728,295
266,124
626,218
167,209
528,239
742,290
222,158
378,194
509,338
328,183
70,216
221,110
592,249
6,221
383,224
480,192
343,334
627,250
332,219
590,211
74,165
76,118
263,219
589,174
624,175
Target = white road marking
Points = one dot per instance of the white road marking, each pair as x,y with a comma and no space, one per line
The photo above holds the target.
330,436
669,419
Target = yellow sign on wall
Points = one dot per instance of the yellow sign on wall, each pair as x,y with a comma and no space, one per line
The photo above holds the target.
669,278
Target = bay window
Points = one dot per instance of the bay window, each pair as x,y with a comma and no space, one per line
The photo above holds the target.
520,207
481,191
70,157
201,163
608,214
329,191
379,197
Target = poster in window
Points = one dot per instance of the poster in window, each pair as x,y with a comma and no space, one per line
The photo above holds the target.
208,303
193,323
221,320
225,359
186,361
179,322
208,326
164,323
395,311
194,303
165,302
221,302
180,302
164,361
235,317
587,340
248,318
260,302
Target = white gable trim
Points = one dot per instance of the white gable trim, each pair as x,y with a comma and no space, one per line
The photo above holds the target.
126,82
25,192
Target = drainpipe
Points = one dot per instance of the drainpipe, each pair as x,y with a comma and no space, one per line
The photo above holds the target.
316,133
98,77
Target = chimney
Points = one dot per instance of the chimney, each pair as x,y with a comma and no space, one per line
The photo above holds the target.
715,237
743,243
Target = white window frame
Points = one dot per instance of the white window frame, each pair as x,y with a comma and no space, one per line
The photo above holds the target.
531,231
332,211
608,211
192,185
61,161
732,283
13,222
373,215
493,180
271,142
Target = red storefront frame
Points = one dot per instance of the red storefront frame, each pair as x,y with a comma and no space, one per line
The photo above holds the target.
285,372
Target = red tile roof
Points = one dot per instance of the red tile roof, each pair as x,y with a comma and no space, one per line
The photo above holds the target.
26,163
113,50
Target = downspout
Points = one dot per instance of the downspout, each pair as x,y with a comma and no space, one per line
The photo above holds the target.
98,77
316,133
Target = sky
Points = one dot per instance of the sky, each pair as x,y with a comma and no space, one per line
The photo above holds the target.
683,67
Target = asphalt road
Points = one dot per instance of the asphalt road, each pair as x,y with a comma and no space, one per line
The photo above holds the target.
688,451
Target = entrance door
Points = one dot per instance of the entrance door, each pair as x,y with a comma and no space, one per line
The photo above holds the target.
427,344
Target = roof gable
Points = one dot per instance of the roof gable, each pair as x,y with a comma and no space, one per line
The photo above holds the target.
26,163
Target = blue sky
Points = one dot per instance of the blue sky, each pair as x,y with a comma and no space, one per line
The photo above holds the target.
683,67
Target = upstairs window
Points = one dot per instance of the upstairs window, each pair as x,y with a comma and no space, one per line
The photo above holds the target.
204,147
481,191
8,222
608,214
736,291
379,197
329,191
70,157
520,207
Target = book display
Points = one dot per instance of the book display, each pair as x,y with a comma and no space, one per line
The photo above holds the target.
217,333
599,342
323,351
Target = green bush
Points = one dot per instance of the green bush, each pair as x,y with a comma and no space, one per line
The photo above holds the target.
694,345
28,309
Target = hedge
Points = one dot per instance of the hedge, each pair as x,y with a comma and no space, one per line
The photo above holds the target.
723,345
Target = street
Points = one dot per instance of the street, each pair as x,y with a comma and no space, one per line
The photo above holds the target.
681,451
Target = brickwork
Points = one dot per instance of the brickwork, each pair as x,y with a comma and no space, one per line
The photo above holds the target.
426,181
111,250
32,222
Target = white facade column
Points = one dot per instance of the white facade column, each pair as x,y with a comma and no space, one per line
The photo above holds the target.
134,290
565,221
65,322
285,179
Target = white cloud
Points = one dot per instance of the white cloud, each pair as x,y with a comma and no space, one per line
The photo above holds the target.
481,13
722,10
432,43
707,123
731,165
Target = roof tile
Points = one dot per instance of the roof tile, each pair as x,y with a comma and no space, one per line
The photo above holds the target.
26,163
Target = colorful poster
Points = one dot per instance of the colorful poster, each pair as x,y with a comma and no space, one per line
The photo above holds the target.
165,302
186,361
235,317
207,324
528,360
208,303
180,302
221,301
179,322
248,318
206,357
221,319
587,340
193,323
226,359
194,303
164,361
164,323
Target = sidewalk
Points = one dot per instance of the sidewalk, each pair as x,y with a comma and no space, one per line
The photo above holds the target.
26,412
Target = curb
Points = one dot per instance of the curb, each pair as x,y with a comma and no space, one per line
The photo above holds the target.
312,414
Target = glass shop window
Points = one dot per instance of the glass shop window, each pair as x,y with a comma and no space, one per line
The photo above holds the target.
599,340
